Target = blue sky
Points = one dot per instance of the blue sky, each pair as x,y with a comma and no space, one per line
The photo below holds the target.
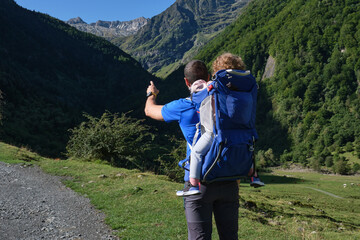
93,10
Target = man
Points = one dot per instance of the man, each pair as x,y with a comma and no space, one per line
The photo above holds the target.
220,198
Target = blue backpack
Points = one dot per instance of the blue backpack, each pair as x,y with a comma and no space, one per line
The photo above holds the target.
231,154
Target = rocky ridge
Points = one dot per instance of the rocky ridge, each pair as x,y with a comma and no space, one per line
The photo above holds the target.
109,29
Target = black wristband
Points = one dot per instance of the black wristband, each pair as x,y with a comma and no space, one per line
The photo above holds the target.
150,93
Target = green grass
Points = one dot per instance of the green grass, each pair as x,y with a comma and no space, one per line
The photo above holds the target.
11,154
144,206
167,70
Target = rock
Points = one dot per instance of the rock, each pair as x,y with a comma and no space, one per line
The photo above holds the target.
250,204
120,175
77,20
274,222
269,68
137,189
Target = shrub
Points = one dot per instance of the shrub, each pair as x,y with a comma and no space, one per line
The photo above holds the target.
356,168
270,158
329,162
169,160
349,147
286,157
122,141
260,159
357,149
315,163
341,166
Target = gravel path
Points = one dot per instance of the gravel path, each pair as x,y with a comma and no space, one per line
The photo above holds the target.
34,205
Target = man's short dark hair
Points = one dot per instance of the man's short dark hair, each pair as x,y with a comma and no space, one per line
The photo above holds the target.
195,70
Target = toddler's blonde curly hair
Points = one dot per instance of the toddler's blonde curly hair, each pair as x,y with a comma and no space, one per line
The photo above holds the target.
228,61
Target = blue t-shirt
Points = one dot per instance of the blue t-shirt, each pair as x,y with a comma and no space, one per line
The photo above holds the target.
184,112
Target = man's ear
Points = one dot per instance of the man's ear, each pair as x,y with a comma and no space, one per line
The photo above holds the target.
187,82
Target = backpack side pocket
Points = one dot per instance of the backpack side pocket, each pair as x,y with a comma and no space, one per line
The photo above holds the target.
239,107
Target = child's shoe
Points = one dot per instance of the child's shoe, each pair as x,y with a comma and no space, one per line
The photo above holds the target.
256,182
188,190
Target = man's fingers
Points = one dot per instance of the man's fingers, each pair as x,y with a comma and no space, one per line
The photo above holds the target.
152,88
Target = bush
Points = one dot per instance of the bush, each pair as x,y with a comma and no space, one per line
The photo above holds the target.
169,161
349,147
122,141
260,159
329,162
315,163
356,168
357,149
341,167
286,157
270,158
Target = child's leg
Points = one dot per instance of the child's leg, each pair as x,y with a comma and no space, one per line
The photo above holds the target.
200,149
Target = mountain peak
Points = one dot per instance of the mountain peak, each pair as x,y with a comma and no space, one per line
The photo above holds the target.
175,35
76,20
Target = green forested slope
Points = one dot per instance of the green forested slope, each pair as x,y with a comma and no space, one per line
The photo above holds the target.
50,74
308,111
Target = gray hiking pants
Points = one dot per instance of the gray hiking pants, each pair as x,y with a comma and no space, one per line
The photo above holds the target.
220,198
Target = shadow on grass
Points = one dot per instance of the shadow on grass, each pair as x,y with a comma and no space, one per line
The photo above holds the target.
274,179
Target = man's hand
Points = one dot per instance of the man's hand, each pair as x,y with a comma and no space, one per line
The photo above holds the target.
152,89
152,109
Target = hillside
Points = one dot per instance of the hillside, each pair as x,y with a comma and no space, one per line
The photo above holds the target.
50,73
293,205
175,35
308,111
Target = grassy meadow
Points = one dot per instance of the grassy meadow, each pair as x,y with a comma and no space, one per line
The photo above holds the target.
294,204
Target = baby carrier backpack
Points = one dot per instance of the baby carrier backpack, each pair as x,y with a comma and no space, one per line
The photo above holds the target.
231,155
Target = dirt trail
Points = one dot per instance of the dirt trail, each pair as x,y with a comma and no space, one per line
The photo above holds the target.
34,205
